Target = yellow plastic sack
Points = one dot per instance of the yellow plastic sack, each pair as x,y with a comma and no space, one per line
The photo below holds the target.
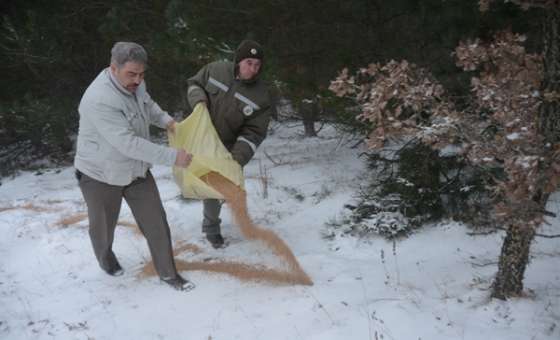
197,135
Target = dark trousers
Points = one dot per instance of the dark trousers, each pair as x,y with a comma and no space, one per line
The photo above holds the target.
104,203
211,212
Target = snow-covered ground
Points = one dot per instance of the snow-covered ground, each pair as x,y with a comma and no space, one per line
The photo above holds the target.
433,285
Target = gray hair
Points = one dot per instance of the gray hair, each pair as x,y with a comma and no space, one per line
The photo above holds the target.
123,52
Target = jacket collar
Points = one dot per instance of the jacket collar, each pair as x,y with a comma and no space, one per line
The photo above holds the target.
139,91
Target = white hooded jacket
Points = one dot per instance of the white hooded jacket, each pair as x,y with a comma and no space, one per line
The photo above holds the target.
114,144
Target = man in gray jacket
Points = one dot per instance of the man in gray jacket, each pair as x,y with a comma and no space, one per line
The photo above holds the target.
113,159
239,106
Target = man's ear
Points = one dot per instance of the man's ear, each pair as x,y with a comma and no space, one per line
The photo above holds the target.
113,68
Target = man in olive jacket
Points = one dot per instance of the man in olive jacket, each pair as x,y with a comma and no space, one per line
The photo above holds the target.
239,106
113,159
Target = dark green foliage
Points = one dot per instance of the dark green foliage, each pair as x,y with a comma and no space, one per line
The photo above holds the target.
51,50
47,60
35,120
464,191
31,129
424,185
417,181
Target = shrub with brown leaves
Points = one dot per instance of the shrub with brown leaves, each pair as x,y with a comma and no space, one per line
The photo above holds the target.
396,99
499,130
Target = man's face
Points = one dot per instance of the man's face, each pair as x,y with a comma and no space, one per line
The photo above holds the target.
130,75
249,68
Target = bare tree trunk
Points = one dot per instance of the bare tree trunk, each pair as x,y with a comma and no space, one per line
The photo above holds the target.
515,249
513,261
309,112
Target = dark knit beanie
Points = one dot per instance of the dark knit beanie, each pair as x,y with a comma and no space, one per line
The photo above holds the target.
248,49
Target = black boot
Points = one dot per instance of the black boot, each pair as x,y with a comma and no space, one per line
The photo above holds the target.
114,270
179,283
216,240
